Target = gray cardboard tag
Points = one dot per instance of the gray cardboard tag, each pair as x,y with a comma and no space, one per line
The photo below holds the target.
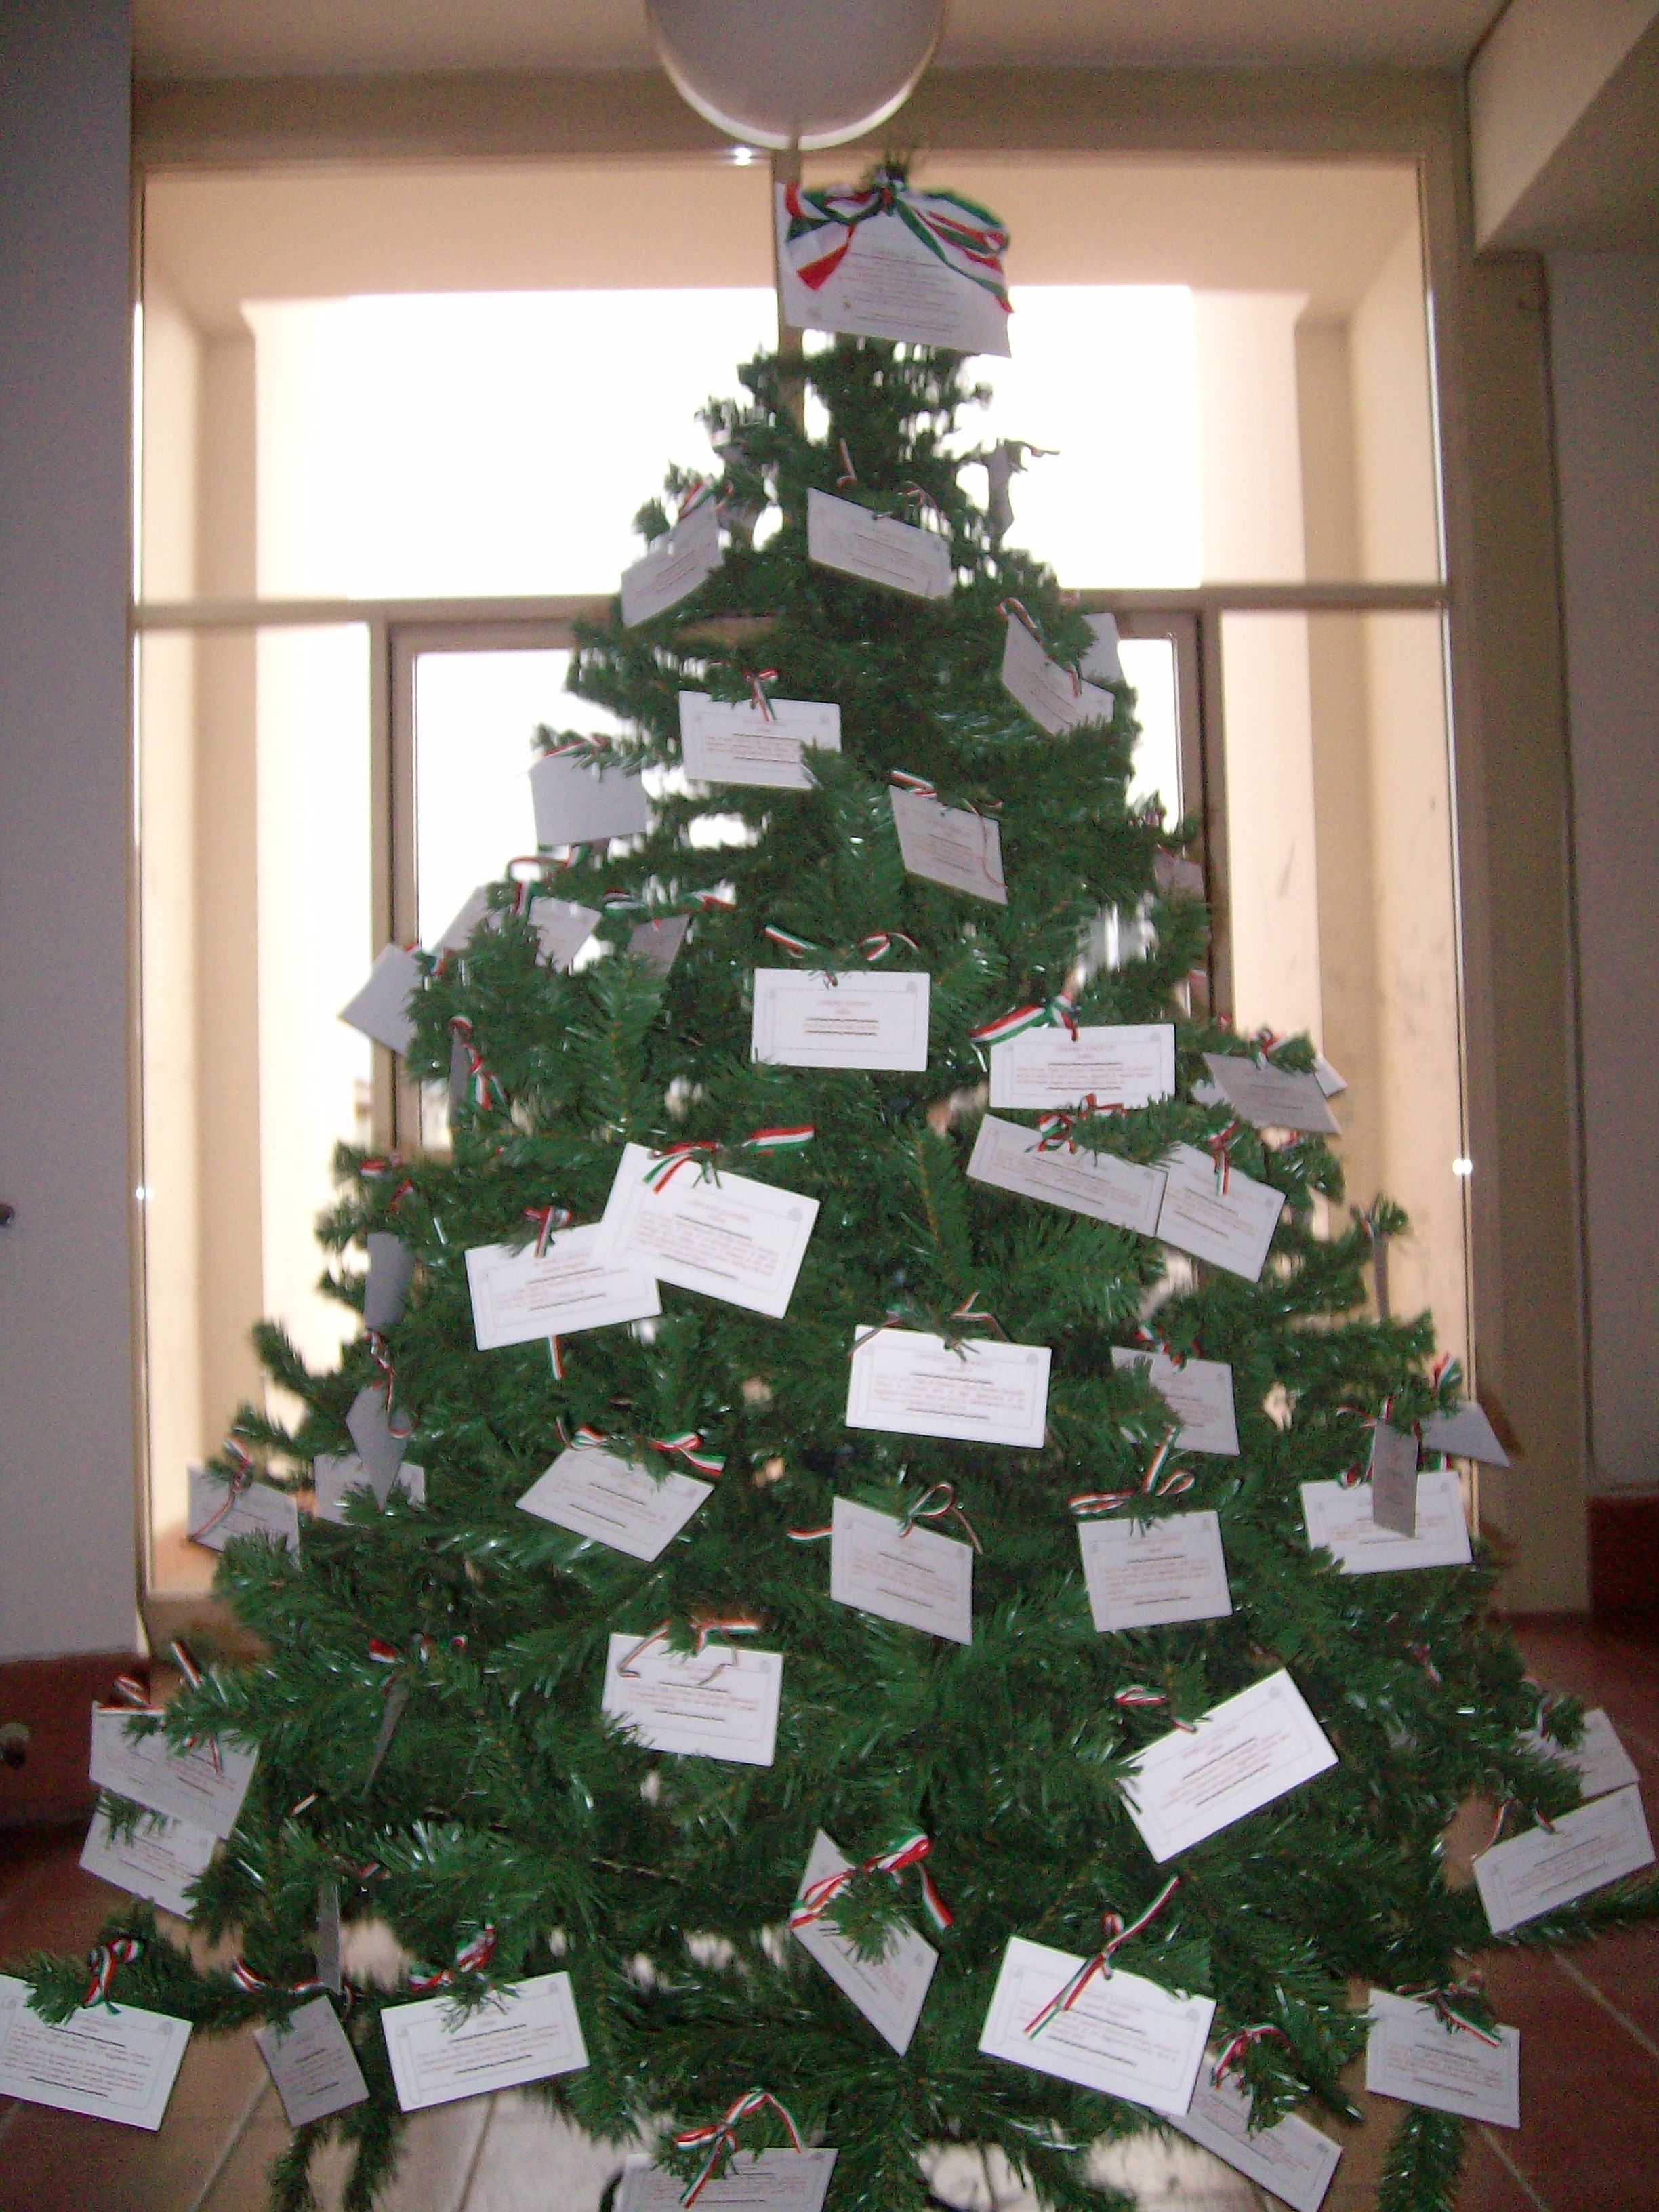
459,1068
1394,1478
657,942
391,1270
380,1440
328,1933
397,1698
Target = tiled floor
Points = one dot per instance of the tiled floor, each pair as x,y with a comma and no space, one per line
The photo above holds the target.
1589,2025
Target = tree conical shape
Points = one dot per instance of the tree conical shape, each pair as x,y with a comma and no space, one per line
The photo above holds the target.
504,1801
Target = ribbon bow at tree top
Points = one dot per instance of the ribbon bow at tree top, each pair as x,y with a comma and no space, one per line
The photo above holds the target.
966,238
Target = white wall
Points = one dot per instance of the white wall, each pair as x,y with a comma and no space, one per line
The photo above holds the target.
1604,327
67,1491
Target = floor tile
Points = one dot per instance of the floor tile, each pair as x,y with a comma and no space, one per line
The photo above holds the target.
531,2158
1489,2186
1625,1969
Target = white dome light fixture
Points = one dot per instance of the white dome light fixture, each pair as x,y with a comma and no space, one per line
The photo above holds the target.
807,73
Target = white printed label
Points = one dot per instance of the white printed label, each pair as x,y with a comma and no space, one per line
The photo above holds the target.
1291,2159
185,1785
1197,1392
754,2181
1413,2054
522,2033
1124,2036
1130,1065
312,2063
516,1297
806,1019
890,1990
1599,1760
611,1500
914,1384
1243,1753
674,566
876,548
730,1237
950,845
914,1576
1271,1098
583,802
1232,1230
717,1703
1054,698
1140,1574
159,1860
726,742
889,285
1012,1157
1339,1521
1545,1869
109,2061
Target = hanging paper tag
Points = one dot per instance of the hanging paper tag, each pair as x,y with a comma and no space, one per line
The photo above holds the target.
912,1383
673,567
726,741
911,1576
526,2033
615,1501
806,1019
1131,1065
1598,1761
328,1933
111,2061
877,548
1101,664
561,928
1544,1869
1416,2056
1465,1434
1199,1393
159,1860
379,1437
185,1785
213,1515
1292,2160
312,2063
391,1272
380,1009
1394,1478
874,277
1143,1574
1339,1521
717,1703
1245,1752
1270,1097
462,930
950,845
1055,700
334,1474
1124,2035
730,1237
1232,1229
657,942
1012,1157
754,2181
396,1703
890,1990
580,802
520,1296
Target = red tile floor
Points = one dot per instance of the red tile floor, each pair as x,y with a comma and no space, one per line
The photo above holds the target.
1589,2024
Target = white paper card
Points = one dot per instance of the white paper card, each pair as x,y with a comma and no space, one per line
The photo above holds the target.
717,1703
1465,1434
754,2181
1270,1097
516,1297
876,1566
1540,1870
380,1009
391,1272
1009,1156
1128,1066
803,1018
1197,1392
1414,2055
1125,2036
312,2063
459,933
1232,1231
1244,1753
257,1510
950,845
613,1500
1142,1575
110,2062
334,1474
561,929
1101,664
1176,877
674,566
521,2034
1327,1077
1054,699
889,285
889,1991
184,1784
1291,2159
1599,1760
1339,1521
583,802
723,741
916,1384
657,942
877,548
1394,1478
159,1860
731,1238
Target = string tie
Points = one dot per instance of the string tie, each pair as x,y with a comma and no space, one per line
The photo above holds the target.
909,1849
704,1628
759,684
721,2135
104,1964
939,1502
237,1482
1233,2054
1101,1963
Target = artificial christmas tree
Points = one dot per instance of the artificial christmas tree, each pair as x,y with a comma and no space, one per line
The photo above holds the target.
860,1549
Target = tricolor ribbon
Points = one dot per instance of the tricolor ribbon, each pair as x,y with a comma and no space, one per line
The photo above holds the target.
1056,1127
482,1085
721,2134
1161,1344
939,1502
1219,1148
104,1964
1140,1697
187,1667
693,496
547,1219
1233,2052
759,685
703,1152
919,496
916,786
880,943
472,1958
576,744
1457,2005
239,1479
704,1628
1157,1482
1116,1935
910,1850
689,1446
376,1170
256,1984
798,948
849,475
1012,610
1057,1012
968,238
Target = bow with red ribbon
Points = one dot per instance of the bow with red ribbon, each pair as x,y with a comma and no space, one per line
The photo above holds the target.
104,1964
909,1849
721,2135
1101,1962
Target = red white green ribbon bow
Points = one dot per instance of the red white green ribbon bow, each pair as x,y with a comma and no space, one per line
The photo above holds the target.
704,1628
939,1502
1116,1935
547,1219
1057,1012
703,1153
375,1170
876,946
721,2135
1456,2005
255,1985
484,1087
104,1964
759,684
1220,1148
910,1850
689,1446
1091,1505
966,238
1054,1128
1233,2052
472,1958
579,745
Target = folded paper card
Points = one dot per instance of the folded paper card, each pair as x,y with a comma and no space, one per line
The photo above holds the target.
902,1573
520,1296
203,1785
611,1499
1126,1066
950,845
1231,1227
889,1990
1414,2054
1197,1392
876,548
1544,1869
727,1236
580,800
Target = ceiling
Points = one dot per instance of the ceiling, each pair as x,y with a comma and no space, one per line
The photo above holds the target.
318,38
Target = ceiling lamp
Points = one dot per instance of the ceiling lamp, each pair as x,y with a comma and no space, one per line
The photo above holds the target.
795,72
